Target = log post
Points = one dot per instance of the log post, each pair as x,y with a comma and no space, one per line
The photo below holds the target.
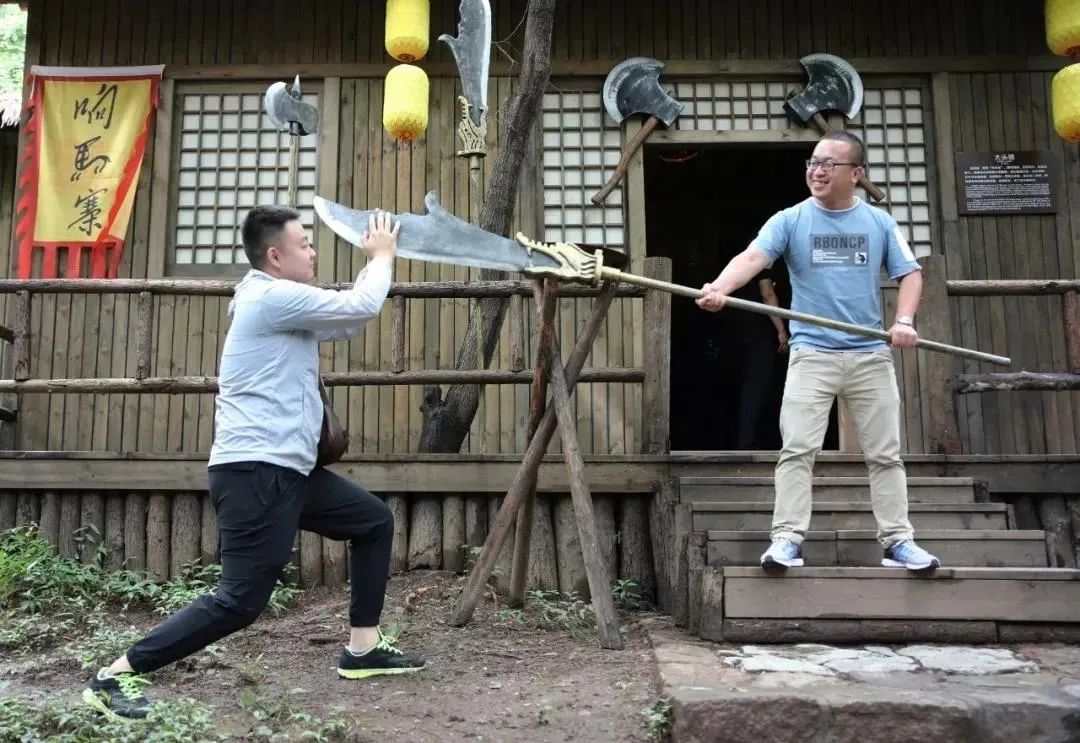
157,536
49,527
93,526
135,530
69,525
209,543
1070,310
500,527
664,500
547,301
942,428
114,531
1059,538
453,532
8,508
607,620
571,560
656,389
186,532
517,333
21,367
399,550
635,562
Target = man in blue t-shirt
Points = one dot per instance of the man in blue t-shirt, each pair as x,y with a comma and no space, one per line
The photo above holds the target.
835,246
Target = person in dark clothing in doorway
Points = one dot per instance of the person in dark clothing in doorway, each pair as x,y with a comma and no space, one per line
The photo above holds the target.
759,338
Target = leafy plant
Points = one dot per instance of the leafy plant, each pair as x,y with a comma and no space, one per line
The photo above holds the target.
658,719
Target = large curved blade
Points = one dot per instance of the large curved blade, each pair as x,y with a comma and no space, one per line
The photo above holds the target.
472,52
436,237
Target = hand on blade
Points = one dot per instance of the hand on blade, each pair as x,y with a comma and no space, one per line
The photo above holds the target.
380,241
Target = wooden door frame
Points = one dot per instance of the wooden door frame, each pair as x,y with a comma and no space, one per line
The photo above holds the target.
634,204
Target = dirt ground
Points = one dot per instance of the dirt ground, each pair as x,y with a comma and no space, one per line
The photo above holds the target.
492,680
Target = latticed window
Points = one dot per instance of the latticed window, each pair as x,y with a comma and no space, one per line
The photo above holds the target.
581,148
727,106
891,125
228,159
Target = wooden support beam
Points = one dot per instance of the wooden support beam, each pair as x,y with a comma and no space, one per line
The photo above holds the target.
607,619
209,288
1033,381
192,385
21,369
718,67
547,301
534,454
1070,310
1010,287
656,389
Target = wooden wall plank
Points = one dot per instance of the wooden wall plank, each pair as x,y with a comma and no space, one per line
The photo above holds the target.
207,32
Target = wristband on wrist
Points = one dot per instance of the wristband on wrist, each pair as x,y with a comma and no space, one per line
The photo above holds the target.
905,320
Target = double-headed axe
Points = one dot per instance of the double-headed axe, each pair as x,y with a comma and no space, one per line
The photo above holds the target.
291,114
832,85
633,87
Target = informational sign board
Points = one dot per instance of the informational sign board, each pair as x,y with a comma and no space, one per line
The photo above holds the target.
1006,182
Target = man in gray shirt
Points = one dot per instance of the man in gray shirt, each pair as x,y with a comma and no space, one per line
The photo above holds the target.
263,477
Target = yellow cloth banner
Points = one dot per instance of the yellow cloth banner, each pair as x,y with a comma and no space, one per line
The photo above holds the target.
90,128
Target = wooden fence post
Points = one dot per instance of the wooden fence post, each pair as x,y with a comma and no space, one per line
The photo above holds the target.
21,369
940,426
656,389
1070,310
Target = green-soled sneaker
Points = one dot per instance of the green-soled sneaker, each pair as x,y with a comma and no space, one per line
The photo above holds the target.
118,696
382,660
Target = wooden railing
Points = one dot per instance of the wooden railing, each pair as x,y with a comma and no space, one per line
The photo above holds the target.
656,349
1069,289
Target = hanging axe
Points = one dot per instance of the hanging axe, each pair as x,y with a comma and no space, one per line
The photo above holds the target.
832,85
633,87
440,237
289,113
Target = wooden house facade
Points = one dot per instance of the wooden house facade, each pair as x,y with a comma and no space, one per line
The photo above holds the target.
941,77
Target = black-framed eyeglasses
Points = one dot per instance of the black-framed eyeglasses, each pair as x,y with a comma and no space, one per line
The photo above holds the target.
825,165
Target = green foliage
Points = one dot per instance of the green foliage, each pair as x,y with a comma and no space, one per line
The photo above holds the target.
12,46
552,610
46,598
658,719
182,721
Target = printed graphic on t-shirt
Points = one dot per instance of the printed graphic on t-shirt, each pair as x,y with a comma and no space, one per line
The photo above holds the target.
834,251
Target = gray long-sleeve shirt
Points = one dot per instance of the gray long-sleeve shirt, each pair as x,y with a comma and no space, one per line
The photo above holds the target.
268,407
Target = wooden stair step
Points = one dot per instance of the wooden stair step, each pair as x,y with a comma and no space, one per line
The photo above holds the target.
1047,595
955,547
743,489
848,515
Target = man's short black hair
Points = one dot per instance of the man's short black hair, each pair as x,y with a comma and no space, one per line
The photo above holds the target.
858,149
263,226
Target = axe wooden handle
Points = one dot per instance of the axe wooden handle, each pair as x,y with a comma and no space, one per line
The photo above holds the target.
875,193
624,162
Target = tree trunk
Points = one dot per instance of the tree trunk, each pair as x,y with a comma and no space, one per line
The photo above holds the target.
447,419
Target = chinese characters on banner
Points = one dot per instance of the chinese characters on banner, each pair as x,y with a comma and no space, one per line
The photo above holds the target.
87,134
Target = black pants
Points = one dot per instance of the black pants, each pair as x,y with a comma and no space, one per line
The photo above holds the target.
759,358
259,507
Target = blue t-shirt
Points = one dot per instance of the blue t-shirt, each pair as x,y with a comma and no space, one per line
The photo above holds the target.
834,259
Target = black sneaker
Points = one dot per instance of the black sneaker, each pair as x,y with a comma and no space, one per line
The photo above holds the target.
118,696
382,660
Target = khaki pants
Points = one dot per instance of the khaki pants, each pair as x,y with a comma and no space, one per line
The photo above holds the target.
866,383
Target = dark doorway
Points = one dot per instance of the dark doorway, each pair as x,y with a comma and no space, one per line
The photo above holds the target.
704,204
